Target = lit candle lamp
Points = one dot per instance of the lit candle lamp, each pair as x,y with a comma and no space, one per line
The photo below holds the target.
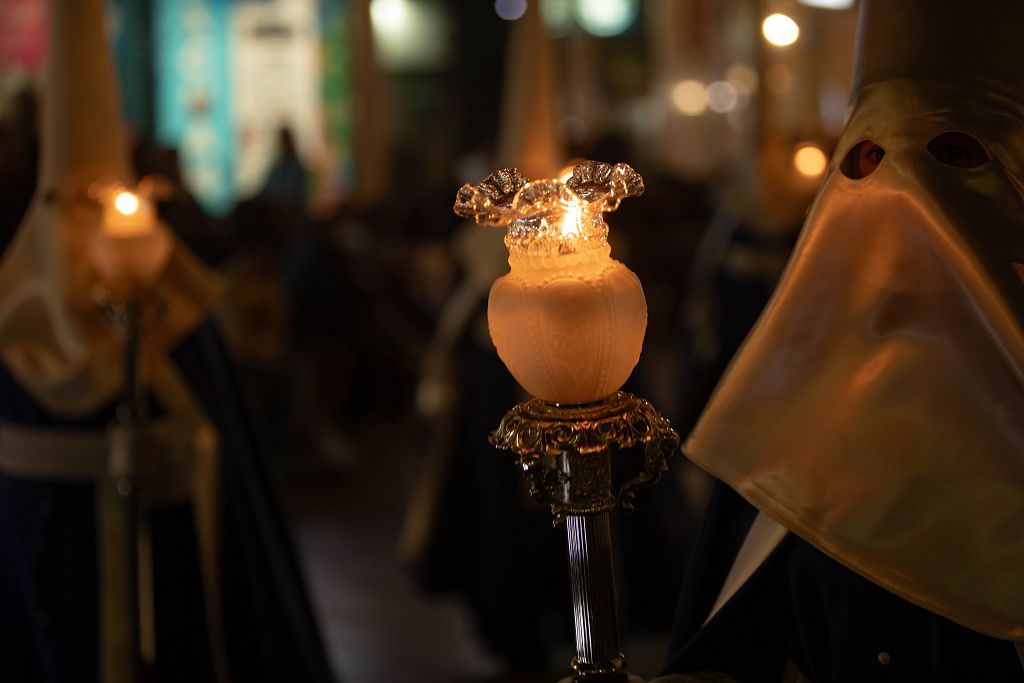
567,320
132,247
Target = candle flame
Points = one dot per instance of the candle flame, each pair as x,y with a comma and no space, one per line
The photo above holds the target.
571,221
126,203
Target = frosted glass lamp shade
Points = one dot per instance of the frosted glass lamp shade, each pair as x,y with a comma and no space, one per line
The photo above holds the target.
567,320
570,335
132,247
133,262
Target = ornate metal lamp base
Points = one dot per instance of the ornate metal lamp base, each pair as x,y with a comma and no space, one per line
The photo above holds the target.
566,453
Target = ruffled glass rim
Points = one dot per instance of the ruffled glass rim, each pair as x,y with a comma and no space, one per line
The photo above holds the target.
547,218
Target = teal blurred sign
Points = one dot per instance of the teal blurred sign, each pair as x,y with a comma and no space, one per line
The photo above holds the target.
192,92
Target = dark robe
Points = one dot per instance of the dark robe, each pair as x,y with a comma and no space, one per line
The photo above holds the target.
49,610
491,543
833,624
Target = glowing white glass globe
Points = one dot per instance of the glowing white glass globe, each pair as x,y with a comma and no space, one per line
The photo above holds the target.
567,320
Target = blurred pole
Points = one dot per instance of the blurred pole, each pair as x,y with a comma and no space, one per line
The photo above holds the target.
684,46
761,101
137,650
373,112
528,137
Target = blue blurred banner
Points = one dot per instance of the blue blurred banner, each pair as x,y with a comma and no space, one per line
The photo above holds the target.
191,43
132,35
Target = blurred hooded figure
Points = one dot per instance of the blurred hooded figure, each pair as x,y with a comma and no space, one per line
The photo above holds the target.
868,438
227,598
286,180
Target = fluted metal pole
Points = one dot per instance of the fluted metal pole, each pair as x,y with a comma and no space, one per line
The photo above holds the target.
565,452
589,541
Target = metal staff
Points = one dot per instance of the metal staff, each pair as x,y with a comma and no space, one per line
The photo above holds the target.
566,453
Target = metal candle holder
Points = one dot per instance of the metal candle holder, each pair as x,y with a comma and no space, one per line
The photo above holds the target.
568,321
566,453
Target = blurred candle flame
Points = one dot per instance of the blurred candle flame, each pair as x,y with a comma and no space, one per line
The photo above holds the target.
126,203
126,212
130,250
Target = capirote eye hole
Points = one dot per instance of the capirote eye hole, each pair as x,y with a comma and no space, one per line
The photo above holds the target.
955,148
862,159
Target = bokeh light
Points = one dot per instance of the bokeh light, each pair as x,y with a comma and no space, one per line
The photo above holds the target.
828,4
605,18
810,161
389,15
742,78
780,30
510,10
409,36
722,97
690,97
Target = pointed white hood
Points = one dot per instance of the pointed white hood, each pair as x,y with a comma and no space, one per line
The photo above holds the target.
877,408
52,335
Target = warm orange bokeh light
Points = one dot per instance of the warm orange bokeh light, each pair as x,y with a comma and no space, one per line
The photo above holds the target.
810,161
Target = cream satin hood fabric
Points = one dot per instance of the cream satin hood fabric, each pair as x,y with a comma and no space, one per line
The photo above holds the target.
877,408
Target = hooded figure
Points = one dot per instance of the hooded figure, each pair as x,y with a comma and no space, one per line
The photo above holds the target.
869,435
227,599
